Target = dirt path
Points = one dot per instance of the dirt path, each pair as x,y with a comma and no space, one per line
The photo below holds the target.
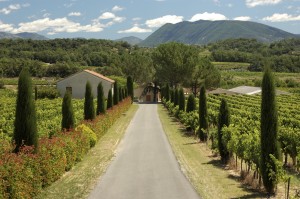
145,166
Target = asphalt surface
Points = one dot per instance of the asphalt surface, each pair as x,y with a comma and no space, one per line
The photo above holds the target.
145,166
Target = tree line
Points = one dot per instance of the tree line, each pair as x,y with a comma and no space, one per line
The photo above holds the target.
282,56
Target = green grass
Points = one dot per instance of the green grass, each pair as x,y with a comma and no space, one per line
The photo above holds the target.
205,172
79,182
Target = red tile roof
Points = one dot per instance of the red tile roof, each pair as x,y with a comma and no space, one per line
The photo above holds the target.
100,76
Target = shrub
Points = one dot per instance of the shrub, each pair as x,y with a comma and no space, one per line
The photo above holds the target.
89,133
1,84
47,92
52,159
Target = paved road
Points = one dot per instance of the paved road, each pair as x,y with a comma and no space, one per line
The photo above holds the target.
145,166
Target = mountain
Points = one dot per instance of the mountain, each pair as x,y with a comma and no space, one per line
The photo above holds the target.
5,35
33,36
204,32
131,40
23,35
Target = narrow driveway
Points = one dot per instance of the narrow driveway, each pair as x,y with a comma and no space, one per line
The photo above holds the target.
145,166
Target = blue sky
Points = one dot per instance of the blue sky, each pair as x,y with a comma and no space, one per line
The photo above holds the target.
113,19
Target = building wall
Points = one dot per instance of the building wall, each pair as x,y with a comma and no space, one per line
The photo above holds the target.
78,82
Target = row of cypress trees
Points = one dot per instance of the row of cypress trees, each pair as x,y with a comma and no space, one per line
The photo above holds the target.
25,124
269,125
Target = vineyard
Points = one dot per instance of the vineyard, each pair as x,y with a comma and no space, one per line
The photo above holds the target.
242,136
48,114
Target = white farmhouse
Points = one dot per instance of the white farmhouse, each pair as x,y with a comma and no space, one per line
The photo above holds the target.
76,83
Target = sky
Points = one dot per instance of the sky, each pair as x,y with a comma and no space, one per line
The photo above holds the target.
114,19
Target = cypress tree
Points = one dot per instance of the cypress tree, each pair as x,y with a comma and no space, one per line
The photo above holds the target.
25,127
120,94
224,120
191,104
172,96
116,93
130,87
181,100
68,120
176,97
109,99
35,93
269,128
89,109
203,124
167,93
100,99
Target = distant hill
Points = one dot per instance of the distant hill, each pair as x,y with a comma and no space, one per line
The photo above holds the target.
131,40
34,36
23,35
204,32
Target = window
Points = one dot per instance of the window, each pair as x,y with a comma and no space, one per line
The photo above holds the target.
69,89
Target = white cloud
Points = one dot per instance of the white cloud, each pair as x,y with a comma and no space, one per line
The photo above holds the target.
230,5
208,16
54,26
254,3
10,8
75,14
217,2
160,0
107,15
242,18
117,8
6,27
152,23
46,15
135,29
136,19
281,18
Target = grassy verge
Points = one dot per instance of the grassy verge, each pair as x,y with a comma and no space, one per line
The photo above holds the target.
204,170
78,182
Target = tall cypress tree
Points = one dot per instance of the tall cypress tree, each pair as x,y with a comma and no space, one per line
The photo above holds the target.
109,99
172,96
68,120
224,120
89,109
203,124
25,127
120,94
191,104
100,99
116,93
167,92
269,129
181,100
130,87
176,97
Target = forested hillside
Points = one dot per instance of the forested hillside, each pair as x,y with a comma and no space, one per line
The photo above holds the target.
62,57
282,56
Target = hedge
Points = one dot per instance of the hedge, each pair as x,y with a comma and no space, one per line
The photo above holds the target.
23,175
